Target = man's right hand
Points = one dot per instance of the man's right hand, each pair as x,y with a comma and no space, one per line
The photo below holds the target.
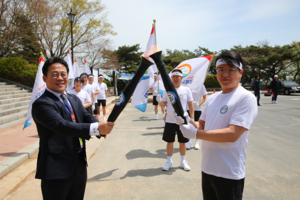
105,127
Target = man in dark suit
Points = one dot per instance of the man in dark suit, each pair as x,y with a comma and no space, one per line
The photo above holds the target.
63,125
256,87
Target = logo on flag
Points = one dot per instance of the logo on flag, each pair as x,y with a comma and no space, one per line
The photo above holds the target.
185,69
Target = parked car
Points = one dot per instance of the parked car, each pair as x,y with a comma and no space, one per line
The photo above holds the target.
288,87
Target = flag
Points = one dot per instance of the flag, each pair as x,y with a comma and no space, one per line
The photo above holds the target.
194,72
38,89
161,86
76,69
86,68
71,71
140,94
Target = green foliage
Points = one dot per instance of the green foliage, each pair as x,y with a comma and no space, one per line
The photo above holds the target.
18,70
211,82
107,82
129,58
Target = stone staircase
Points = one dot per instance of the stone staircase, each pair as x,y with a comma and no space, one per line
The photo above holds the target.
14,104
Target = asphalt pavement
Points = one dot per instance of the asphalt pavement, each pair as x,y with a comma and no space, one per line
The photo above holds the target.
128,163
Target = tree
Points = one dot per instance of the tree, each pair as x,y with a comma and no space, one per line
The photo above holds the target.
53,26
129,58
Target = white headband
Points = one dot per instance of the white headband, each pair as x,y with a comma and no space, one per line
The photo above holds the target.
221,62
91,76
83,76
100,76
176,74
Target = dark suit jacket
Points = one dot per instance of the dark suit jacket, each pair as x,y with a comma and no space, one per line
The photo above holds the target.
59,143
256,87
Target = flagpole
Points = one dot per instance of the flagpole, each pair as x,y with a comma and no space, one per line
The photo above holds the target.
199,94
155,43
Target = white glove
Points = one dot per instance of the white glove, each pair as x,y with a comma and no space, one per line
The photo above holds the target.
93,107
158,98
188,131
179,119
196,105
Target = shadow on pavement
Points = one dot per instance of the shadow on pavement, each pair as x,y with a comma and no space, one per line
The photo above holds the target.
141,153
146,134
149,172
102,176
143,119
160,127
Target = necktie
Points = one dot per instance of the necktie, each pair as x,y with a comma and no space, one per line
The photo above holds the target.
71,112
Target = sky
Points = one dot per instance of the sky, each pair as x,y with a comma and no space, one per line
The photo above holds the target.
216,25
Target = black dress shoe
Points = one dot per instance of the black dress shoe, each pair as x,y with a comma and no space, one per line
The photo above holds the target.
258,105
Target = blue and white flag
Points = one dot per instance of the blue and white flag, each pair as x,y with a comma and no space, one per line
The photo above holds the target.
38,89
140,94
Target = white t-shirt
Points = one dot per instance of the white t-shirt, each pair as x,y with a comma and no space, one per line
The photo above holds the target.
239,107
103,88
82,95
89,89
195,94
185,96
95,88
154,87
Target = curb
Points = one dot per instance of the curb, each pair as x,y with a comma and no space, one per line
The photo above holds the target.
21,156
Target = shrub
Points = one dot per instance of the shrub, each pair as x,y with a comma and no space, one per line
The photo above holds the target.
18,70
211,81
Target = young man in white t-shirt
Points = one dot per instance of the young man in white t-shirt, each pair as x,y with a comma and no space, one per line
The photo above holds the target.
97,90
153,88
224,127
89,89
197,111
171,128
81,94
102,96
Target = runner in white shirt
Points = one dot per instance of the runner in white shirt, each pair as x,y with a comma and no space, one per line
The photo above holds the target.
81,94
197,111
171,128
224,127
97,90
102,96
153,88
89,89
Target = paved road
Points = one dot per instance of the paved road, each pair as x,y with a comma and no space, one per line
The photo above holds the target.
128,163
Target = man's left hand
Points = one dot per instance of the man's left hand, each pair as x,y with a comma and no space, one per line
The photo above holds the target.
188,131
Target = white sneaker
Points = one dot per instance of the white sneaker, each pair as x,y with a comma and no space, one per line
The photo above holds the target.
104,117
164,116
164,124
272,102
197,146
185,166
156,116
167,166
189,145
275,101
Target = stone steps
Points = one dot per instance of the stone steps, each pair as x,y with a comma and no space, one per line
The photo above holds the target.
15,100
14,104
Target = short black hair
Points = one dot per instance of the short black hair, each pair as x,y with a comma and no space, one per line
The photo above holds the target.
228,56
177,70
256,76
100,75
78,79
52,61
84,74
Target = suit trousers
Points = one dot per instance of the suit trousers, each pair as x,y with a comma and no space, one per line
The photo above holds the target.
67,189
